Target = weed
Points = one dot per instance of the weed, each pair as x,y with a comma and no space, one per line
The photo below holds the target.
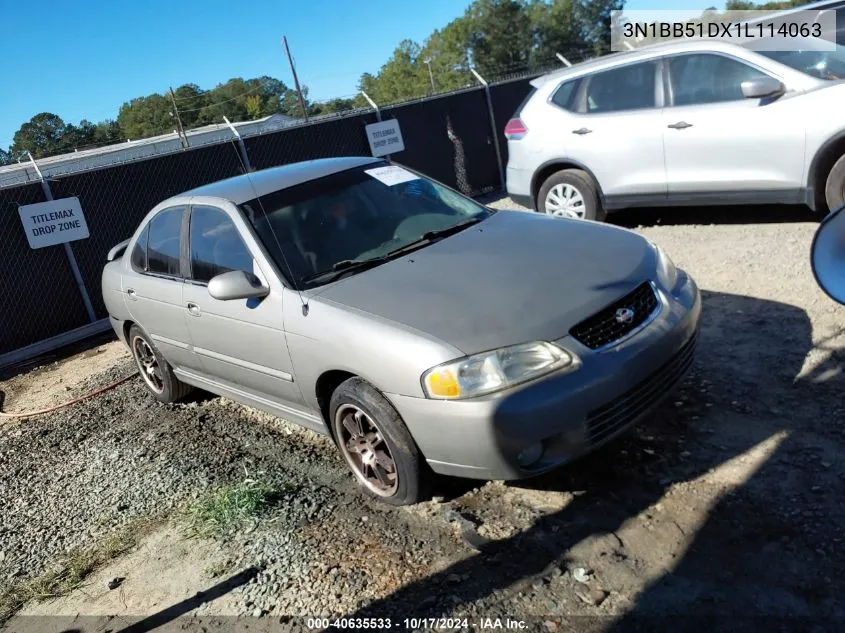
228,507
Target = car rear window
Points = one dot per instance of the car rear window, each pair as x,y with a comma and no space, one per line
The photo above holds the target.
564,96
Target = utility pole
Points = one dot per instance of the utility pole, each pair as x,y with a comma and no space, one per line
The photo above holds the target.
427,62
295,80
182,136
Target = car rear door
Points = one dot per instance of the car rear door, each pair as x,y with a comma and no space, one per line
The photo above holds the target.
241,343
152,286
610,122
722,146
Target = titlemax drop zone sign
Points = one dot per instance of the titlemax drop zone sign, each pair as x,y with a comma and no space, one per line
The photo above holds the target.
54,222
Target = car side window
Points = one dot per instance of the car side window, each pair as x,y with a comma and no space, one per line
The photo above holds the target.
564,96
163,242
216,245
707,78
138,258
626,88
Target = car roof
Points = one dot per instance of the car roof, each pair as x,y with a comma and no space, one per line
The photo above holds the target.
644,52
240,189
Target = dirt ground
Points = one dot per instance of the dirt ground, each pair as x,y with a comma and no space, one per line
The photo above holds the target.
722,511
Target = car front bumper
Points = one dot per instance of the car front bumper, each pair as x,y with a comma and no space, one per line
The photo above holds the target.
569,413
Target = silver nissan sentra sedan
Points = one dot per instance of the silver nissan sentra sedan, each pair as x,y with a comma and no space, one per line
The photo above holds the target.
418,328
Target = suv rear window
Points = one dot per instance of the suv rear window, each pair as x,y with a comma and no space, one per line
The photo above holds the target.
564,96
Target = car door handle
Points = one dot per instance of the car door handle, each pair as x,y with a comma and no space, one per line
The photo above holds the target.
581,131
193,309
132,294
680,125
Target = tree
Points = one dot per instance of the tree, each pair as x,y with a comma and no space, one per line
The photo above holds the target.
5,158
594,18
41,135
501,38
557,30
332,106
448,52
190,100
146,116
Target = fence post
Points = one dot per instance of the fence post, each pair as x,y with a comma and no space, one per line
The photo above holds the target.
241,146
372,105
45,187
563,60
375,107
492,125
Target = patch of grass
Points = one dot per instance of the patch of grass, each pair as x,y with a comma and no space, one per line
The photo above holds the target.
219,568
228,507
69,573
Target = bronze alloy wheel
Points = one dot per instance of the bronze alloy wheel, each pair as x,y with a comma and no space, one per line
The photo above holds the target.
148,364
366,451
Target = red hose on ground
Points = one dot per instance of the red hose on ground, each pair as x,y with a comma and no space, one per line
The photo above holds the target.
27,414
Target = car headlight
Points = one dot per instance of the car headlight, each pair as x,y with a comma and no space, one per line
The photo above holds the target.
667,272
491,371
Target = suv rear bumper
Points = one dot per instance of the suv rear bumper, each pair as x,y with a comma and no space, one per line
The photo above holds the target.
519,186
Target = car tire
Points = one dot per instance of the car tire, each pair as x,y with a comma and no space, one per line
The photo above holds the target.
834,190
156,373
576,192
373,440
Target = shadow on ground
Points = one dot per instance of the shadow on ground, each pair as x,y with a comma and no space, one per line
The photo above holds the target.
769,548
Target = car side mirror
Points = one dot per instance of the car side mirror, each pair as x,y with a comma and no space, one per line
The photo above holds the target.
827,255
760,87
237,284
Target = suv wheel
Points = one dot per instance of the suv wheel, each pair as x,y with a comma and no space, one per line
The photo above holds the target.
155,371
570,193
376,445
834,190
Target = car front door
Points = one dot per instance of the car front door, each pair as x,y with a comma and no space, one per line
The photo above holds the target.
719,143
610,122
152,287
240,342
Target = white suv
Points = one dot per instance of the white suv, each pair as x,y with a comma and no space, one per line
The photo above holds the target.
682,123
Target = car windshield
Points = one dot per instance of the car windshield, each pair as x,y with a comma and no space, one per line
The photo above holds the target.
811,59
345,222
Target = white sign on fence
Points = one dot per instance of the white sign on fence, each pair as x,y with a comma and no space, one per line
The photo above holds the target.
53,222
385,137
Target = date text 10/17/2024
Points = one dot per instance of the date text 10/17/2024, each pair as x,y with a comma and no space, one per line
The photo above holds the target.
415,624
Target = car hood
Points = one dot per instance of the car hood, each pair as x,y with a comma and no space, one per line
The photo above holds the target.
513,278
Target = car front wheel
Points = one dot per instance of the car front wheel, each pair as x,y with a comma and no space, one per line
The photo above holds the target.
834,191
376,445
570,193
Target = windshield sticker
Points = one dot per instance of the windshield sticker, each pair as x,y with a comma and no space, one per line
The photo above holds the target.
391,175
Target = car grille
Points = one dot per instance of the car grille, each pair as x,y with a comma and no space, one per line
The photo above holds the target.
604,328
620,412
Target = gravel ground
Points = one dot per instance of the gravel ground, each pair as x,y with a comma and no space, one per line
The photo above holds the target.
726,502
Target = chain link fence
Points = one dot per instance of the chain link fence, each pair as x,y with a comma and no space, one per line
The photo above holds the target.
447,136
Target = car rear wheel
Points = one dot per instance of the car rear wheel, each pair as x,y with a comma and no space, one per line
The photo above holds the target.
834,190
570,193
376,444
155,371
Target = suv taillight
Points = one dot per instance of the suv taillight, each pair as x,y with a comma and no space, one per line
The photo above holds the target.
515,130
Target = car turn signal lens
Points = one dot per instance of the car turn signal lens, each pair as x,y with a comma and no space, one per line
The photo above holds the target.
442,384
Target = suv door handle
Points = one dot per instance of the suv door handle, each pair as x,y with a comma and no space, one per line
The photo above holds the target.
193,309
581,131
132,294
680,125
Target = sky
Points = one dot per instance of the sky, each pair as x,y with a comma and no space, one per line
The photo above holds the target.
81,59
